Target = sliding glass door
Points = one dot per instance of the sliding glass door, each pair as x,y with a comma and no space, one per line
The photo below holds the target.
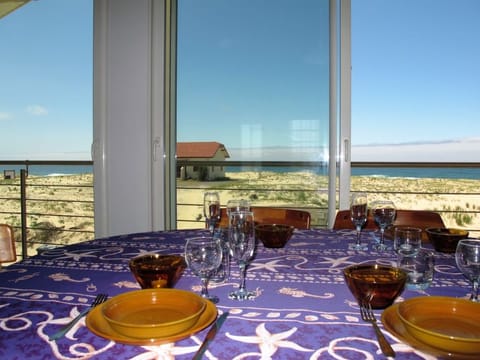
253,104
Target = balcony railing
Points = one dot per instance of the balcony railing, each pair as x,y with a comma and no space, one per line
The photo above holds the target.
53,210
456,199
44,208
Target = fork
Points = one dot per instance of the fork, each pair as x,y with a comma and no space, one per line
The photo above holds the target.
369,316
99,299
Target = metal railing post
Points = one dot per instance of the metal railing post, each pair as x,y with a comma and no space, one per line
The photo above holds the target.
23,211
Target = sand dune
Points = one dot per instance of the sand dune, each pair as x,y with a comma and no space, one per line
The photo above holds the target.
451,197
457,200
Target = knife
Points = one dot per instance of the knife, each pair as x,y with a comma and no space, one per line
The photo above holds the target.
210,335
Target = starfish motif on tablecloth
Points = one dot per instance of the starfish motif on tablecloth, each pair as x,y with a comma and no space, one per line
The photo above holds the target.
79,255
164,351
269,343
269,266
336,262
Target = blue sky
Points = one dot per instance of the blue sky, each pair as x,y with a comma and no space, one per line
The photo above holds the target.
415,78
271,73
46,81
419,87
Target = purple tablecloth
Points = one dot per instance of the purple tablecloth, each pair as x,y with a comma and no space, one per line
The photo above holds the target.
303,309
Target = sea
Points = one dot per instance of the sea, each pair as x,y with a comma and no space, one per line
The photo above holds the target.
48,170
394,172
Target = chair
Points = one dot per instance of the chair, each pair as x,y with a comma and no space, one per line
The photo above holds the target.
415,218
299,219
344,221
7,244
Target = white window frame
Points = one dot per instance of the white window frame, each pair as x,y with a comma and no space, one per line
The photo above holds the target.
134,125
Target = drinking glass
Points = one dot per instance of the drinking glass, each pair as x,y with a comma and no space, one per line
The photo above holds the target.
358,214
203,256
419,266
211,209
384,215
407,239
467,256
237,205
241,243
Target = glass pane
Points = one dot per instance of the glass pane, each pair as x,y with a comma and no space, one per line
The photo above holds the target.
415,92
46,67
254,78
46,122
415,80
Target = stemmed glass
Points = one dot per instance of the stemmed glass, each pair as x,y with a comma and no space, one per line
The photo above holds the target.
203,256
358,214
211,209
241,243
384,215
467,257
237,205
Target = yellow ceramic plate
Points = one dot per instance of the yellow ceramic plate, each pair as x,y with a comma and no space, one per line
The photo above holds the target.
153,312
447,323
97,324
394,325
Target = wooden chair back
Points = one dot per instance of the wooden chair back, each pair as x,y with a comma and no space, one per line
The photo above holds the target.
299,219
344,221
7,244
415,218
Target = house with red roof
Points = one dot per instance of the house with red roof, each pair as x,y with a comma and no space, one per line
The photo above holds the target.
201,151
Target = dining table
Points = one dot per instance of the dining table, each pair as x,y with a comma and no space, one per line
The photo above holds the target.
303,308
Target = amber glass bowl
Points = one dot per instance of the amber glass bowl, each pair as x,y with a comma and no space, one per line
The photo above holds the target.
445,239
156,270
273,235
375,284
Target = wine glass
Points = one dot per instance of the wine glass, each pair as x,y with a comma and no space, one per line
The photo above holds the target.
384,215
203,256
211,209
241,243
237,205
358,214
467,257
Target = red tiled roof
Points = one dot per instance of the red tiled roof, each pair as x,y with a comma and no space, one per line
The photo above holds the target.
200,149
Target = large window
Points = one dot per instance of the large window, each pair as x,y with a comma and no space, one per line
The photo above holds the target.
256,79
253,81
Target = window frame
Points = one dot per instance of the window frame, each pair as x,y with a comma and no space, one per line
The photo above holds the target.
134,45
